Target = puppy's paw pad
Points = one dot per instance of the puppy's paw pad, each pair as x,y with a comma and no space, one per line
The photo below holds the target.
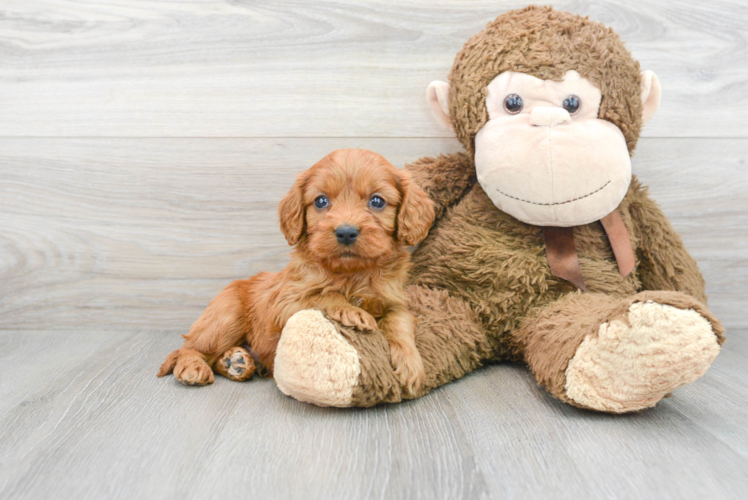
236,364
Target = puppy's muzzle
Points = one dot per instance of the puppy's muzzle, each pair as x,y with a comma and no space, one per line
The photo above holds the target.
346,234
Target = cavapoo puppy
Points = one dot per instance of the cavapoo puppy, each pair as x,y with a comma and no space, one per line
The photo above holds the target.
350,216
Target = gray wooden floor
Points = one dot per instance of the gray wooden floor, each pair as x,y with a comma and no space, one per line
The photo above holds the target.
144,146
82,415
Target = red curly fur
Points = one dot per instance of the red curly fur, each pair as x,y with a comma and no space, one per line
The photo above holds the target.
359,285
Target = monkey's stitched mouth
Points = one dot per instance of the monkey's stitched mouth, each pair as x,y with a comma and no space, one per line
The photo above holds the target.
558,203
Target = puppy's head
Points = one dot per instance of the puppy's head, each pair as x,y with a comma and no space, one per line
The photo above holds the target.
352,209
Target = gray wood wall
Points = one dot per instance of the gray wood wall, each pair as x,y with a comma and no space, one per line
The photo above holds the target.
144,145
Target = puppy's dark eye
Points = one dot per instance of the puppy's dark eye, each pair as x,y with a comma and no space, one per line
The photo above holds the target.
571,104
377,202
321,201
513,104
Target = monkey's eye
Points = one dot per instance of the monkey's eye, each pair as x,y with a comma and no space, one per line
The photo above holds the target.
513,104
571,104
321,201
377,202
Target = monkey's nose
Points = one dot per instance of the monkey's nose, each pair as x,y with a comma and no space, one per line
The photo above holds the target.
548,116
346,235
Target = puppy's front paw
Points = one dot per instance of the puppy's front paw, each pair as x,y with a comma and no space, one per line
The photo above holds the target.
408,367
192,370
353,316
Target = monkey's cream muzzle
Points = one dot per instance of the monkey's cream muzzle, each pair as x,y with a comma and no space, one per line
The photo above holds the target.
544,165
548,116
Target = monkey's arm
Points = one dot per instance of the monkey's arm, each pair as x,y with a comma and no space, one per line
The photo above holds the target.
664,263
444,178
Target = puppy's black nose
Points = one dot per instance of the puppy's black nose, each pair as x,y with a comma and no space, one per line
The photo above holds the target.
346,234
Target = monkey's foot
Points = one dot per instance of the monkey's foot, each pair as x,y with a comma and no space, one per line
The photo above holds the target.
314,363
630,366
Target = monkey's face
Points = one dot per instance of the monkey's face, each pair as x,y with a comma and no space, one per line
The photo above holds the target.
545,157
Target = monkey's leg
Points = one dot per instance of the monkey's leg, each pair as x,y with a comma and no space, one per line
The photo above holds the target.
222,325
619,354
321,362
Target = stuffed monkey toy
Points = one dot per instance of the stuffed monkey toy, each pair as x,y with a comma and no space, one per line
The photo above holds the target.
546,249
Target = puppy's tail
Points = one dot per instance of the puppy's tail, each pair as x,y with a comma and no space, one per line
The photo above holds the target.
169,364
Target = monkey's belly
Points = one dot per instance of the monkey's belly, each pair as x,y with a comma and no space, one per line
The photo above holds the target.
499,266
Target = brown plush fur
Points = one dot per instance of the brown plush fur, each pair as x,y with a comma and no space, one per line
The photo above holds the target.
482,289
450,338
358,285
545,43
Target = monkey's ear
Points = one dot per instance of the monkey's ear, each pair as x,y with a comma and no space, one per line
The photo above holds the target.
416,214
651,93
291,211
437,96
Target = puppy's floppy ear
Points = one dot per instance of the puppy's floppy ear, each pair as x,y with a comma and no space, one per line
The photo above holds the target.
291,211
416,213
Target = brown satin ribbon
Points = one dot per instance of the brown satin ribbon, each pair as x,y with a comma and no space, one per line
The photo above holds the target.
562,254
620,241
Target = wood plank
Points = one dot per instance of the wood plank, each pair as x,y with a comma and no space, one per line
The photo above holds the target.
22,353
537,447
97,423
123,433
142,233
320,68
719,402
701,187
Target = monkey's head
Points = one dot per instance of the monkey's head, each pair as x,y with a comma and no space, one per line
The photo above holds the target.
549,105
